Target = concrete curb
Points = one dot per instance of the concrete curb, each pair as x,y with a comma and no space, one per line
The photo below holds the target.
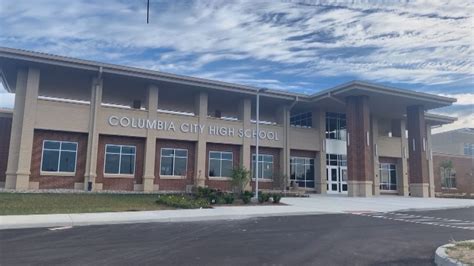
442,258
85,219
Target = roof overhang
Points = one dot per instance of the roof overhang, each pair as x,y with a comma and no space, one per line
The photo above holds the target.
385,94
49,59
381,97
438,120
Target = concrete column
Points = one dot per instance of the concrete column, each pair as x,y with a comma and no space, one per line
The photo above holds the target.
375,148
284,118
150,146
319,122
93,137
23,123
201,104
402,170
429,157
359,151
245,109
419,170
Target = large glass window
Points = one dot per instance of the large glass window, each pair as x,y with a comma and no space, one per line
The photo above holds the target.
388,176
220,163
173,162
448,178
59,156
119,159
336,159
302,120
469,149
336,126
302,171
265,166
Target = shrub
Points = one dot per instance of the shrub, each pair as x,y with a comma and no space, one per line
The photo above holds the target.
182,201
276,197
214,196
204,192
246,196
263,197
229,198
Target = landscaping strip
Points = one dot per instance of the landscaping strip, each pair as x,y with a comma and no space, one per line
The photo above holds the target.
49,203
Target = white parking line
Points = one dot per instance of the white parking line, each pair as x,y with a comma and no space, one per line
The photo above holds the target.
418,219
59,228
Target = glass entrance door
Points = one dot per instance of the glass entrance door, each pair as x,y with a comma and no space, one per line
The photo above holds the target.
343,179
336,177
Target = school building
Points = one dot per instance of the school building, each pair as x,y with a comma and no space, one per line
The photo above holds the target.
79,124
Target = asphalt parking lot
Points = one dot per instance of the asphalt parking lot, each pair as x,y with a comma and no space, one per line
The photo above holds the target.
331,239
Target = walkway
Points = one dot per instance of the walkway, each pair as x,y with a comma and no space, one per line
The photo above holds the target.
316,204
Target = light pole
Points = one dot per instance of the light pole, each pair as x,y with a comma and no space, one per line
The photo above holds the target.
257,161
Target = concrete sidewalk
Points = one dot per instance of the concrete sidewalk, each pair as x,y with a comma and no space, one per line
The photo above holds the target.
317,204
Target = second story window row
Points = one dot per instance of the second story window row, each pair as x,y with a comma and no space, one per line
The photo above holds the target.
304,120
336,127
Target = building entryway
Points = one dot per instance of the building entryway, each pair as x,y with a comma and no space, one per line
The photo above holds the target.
336,173
336,179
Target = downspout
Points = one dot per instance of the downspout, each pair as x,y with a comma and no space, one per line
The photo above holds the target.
335,99
101,70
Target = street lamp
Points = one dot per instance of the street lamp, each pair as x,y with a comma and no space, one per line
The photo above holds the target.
257,141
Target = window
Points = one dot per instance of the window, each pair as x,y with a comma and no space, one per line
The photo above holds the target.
336,126
302,171
336,159
388,176
469,149
265,166
448,177
59,156
173,162
220,163
302,120
119,159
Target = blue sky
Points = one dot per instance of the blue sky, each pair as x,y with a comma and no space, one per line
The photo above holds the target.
301,46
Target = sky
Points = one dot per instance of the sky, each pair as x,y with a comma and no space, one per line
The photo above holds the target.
300,46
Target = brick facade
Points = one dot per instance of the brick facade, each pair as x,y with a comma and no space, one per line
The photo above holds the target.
416,125
53,181
5,131
276,165
359,156
464,168
221,184
120,183
175,184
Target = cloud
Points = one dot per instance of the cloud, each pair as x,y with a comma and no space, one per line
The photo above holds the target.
6,99
413,42
301,46
464,113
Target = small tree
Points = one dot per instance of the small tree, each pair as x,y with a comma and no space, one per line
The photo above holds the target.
447,171
240,178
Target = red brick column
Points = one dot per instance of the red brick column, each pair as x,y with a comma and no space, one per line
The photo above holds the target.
359,155
417,161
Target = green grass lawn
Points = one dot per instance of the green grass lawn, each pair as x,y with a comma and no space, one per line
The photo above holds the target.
32,203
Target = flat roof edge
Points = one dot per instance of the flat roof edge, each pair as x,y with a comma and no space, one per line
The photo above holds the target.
126,70
357,84
441,119
46,58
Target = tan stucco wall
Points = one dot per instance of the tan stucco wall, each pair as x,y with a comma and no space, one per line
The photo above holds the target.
389,147
56,115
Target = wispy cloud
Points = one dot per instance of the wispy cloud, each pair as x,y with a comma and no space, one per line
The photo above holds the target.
301,46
